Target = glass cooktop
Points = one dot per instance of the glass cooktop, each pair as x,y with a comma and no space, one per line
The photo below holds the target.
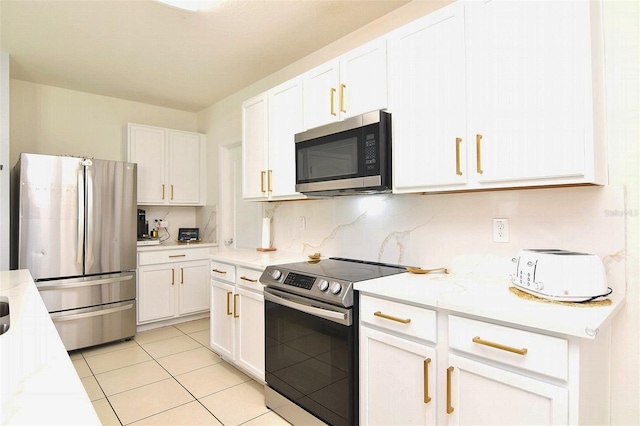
351,270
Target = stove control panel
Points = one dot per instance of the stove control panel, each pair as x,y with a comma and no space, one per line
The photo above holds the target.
337,292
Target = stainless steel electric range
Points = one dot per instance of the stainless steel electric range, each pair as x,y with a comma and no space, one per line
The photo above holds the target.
311,340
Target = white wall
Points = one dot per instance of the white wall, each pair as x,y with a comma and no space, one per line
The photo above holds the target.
454,229
51,120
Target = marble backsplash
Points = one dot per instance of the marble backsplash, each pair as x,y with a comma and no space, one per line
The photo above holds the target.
455,230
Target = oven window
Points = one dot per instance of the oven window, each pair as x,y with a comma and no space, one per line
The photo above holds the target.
326,161
311,361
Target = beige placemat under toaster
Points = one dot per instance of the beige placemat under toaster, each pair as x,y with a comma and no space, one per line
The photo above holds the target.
527,296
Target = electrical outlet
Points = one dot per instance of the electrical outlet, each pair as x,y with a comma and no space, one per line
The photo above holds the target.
161,223
500,230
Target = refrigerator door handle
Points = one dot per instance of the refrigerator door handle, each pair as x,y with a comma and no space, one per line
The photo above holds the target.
90,225
91,314
59,285
80,237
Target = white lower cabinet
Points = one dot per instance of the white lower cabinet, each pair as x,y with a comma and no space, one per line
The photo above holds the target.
475,372
172,283
394,380
237,317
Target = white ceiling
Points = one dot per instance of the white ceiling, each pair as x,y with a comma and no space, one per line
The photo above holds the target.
148,52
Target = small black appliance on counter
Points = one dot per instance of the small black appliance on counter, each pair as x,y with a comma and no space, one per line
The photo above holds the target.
142,224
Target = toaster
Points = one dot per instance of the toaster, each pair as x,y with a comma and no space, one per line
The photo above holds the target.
561,275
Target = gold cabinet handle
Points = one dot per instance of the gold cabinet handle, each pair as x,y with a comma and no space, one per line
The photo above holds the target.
163,191
262,181
171,276
425,367
248,279
235,306
177,255
389,317
228,303
449,407
458,171
181,275
171,192
269,181
342,87
333,92
219,271
479,154
480,341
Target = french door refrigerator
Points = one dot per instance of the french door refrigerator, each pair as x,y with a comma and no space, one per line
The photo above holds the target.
76,234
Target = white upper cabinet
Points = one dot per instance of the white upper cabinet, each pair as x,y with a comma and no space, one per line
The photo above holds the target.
171,165
352,84
498,94
269,124
428,100
532,91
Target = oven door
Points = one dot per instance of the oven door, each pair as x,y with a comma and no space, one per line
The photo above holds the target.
310,356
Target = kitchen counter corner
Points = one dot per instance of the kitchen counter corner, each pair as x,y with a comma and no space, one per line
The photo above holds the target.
38,382
491,299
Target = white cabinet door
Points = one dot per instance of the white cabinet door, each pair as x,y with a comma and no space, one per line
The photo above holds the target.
194,286
250,332
285,120
350,85
363,80
321,97
184,168
156,292
485,395
222,319
532,90
255,148
147,149
397,380
428,82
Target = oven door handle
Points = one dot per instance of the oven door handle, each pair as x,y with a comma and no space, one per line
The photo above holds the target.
340,317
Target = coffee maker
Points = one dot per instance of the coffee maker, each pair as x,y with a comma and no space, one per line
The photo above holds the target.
143,231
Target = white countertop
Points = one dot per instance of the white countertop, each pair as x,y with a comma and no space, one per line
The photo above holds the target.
173,245
38,383
491,299
256,259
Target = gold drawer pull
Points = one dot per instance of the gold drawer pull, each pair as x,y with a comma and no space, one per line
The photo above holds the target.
425,366
262,173
178,255
333,93
219,271
163,191
172,192
449,407
228,304
270,172
342,87
171,276
249,279
181,275
458,170
479,341
235,306
479,154
389,317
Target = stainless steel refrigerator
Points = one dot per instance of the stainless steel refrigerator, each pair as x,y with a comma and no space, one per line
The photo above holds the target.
76,233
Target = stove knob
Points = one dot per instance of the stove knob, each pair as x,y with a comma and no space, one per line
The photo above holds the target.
275,274
336,288
323,285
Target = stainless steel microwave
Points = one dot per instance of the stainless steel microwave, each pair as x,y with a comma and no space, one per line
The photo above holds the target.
345,158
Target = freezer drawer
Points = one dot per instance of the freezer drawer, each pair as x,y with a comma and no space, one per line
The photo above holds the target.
72,293
80,328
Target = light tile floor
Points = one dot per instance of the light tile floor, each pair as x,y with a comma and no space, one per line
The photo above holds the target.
170,376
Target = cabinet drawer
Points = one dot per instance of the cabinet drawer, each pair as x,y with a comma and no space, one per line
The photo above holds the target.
530,351
223,272
170,256
250,279
398,317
